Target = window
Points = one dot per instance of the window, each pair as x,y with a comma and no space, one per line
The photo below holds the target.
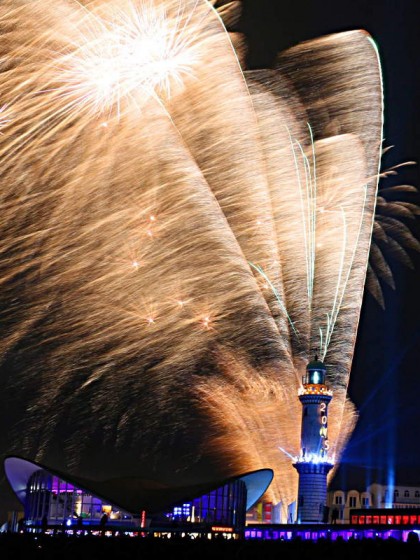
339,500
396,494
406,494
352,501
417,493
365,501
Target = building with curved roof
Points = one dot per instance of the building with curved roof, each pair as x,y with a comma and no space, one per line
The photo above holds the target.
58,499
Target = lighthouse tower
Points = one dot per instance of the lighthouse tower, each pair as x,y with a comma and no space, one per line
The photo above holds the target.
313,464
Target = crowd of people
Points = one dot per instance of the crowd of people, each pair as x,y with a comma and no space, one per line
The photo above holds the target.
16,546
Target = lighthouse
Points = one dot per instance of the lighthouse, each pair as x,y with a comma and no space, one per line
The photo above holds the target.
314,463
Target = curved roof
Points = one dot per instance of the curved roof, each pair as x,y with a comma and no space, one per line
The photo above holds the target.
134,494
316,364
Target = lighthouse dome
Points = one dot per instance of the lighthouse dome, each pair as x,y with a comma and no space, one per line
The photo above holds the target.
315,373
316,364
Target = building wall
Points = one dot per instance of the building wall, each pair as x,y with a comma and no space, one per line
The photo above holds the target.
375,496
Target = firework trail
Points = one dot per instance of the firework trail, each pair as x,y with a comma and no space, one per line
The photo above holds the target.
178,237
391,236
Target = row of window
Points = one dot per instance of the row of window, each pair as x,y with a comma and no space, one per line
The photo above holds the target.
58,500
385,519
338,500
224,505
352,501
406,494
51,498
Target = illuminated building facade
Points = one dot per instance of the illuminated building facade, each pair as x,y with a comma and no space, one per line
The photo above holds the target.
61,502
313,464
375,496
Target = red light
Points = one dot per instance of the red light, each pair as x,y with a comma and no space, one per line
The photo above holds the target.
143,518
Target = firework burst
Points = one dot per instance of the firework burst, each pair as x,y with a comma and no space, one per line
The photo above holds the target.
178,237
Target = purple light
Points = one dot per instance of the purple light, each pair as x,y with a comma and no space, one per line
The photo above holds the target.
59,486
331,534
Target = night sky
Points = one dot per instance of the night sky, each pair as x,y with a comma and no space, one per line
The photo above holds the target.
384,378
383,382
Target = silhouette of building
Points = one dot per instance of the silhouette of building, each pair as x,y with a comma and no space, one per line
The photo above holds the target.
72,503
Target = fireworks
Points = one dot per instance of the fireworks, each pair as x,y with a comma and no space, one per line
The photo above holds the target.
391,236
178,237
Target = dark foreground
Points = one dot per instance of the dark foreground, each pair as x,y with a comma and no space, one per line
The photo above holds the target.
15,546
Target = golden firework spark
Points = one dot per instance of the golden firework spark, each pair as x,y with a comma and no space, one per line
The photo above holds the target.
178,235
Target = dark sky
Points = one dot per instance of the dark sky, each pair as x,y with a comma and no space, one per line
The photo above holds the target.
384,379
